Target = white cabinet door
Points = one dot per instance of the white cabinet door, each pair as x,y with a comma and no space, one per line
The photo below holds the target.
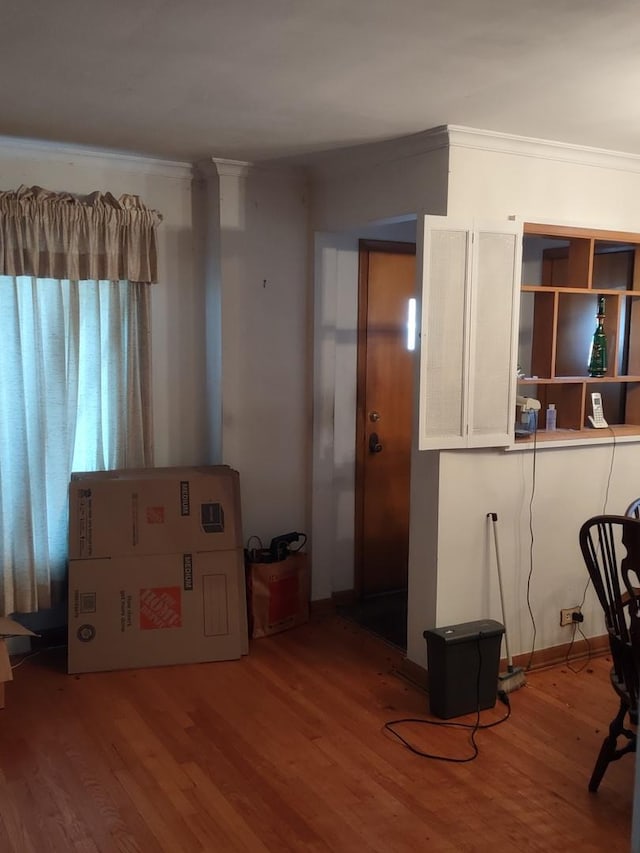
497,260
444,334
470,282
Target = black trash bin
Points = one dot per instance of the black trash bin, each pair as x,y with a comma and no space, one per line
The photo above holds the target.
463,662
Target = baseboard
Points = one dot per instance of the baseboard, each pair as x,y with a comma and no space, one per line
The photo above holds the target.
344,597
413,673
324,606
418,676
595,647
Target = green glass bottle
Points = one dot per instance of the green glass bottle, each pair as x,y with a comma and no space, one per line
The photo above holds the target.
598,353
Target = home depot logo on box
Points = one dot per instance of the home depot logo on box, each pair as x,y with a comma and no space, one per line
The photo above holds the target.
155,515
160,607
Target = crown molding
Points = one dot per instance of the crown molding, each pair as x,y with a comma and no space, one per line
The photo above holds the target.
221,167
369,155
33,149
546,149
230,168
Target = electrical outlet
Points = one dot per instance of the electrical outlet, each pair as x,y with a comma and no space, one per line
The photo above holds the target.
566,616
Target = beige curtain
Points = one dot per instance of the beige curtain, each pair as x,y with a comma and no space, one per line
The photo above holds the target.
58,235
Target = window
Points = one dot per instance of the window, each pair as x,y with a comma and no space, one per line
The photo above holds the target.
74,369
73,396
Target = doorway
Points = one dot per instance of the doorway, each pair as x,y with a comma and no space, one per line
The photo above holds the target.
385,371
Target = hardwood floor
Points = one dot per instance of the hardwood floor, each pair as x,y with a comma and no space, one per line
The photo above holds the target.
285,751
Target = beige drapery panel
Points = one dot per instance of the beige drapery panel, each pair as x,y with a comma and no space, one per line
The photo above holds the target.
63,236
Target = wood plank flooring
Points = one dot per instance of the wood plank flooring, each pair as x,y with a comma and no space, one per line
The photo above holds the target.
285,751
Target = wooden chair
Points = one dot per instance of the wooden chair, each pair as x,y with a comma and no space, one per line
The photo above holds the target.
610,546
633,509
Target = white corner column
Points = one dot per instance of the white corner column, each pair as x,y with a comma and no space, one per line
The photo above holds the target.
258,355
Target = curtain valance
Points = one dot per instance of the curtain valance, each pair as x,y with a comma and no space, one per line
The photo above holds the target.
46,234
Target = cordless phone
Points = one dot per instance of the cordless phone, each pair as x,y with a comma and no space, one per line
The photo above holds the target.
597,419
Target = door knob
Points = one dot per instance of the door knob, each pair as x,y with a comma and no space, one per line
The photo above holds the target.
374,416
374,443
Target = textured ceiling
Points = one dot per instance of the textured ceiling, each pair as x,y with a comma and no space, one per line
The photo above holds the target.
263,79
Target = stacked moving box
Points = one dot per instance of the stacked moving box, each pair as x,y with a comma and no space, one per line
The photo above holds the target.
156,568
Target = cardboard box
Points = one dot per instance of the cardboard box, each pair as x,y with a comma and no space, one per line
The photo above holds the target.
153,610
154,511
154,472
8,628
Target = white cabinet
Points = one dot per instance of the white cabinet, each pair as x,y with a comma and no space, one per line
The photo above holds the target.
470,287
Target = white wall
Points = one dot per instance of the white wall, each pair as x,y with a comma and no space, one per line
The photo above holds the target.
497,176
177,320
264,373
231,386
178,329
554,185
452,569
571,485
260,278
373,183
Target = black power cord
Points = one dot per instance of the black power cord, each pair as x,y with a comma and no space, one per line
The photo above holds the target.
576,627
472,727
531,542
576,624
613,456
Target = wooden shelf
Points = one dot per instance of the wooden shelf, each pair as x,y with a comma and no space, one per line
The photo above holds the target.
578,435
566,269
574,380
568,232
585,291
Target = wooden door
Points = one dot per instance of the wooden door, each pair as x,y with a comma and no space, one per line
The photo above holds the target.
384,416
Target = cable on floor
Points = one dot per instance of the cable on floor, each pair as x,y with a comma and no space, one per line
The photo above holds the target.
577,628
472,727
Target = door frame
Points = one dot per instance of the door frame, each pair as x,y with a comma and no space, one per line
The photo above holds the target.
365,247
